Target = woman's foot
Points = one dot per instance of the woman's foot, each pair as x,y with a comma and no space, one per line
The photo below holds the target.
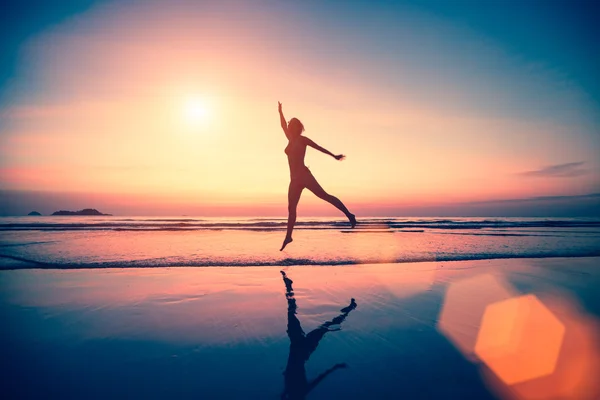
285,277
352,219
288,285
286,241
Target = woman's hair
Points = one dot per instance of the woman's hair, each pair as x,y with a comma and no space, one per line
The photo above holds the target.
295,126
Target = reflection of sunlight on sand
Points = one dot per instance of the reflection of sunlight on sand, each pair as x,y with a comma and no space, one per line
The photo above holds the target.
405,280
213,305
530,348
207,305
401,280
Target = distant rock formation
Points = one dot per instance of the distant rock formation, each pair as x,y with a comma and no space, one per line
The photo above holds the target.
86,211
34,213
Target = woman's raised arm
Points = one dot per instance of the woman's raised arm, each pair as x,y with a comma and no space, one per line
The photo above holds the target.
282,120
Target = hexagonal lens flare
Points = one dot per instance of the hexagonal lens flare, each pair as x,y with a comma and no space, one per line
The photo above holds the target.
577,365
519,339
527,348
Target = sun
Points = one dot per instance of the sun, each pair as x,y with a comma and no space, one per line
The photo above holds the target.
195,111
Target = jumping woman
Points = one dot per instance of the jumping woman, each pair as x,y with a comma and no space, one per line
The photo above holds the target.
301,177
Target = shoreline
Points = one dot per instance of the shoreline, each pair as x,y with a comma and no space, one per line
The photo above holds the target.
22,263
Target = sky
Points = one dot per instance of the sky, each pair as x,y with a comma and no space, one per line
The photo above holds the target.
461,108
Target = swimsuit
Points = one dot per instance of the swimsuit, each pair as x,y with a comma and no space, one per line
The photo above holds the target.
299,173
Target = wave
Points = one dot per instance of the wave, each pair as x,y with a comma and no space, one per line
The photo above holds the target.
22,262
259,224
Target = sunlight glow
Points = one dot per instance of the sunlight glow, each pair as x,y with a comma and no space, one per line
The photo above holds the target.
195,111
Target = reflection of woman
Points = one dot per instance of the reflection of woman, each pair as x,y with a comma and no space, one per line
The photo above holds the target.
302,346
301,177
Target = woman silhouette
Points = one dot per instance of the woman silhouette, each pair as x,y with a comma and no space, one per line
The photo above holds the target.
301,177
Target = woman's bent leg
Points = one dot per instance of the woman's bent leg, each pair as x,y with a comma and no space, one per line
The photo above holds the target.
314,187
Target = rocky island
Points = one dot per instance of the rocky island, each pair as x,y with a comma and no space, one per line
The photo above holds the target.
34,213
85,211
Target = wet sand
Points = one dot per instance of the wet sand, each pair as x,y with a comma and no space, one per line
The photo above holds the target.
416,330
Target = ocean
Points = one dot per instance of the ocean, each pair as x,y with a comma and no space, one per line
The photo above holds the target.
118,241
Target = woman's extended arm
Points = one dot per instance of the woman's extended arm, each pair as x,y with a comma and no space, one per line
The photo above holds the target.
321,149
282,119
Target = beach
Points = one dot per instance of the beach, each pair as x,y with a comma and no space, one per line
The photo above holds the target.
300,200
414,330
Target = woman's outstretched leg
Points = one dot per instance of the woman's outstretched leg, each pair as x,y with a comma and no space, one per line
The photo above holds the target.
294,193
314,187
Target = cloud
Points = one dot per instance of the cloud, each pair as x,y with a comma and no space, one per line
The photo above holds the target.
568,170
590,196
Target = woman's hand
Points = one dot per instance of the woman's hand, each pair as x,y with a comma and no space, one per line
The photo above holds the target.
339,157
279,106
